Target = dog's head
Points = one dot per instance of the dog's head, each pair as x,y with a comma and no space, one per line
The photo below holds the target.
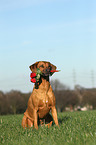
44,66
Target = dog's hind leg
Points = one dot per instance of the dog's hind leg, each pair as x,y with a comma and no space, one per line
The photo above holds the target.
48,120
49,124
30,123
24,122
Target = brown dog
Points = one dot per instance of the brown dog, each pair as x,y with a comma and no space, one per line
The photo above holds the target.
42,99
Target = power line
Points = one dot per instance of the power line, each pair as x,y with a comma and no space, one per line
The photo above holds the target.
74,77
92,78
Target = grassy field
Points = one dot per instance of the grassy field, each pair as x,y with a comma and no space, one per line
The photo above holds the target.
76,128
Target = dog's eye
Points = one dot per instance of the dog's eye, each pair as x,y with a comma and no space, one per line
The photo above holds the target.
42,66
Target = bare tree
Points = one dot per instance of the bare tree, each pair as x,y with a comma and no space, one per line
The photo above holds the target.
3,104
15,101
57,85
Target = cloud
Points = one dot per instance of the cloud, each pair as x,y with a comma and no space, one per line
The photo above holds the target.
6,5
27,42
10,4
82,23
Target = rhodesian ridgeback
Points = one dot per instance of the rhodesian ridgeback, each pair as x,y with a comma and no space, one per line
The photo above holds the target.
41,103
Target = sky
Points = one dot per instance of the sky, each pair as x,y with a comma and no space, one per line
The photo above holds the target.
60,31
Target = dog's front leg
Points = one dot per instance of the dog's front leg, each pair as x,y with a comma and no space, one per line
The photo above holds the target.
54,114
35,119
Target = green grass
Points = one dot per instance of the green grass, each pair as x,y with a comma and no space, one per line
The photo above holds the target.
76,128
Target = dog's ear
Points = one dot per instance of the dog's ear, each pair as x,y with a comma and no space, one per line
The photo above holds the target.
53,67
33,67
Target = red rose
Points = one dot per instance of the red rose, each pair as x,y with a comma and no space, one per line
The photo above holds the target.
33,75
33,80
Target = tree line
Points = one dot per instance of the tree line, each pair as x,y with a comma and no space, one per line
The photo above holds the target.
15,102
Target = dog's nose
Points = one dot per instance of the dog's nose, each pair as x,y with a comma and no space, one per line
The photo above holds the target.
47,70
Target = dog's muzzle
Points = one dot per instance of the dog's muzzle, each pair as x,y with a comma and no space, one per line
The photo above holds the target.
46,72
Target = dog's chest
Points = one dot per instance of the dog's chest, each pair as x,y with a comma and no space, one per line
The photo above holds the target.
45,102
44,106
45,99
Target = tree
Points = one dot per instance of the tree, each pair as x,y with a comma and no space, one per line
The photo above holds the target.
57,85
15,100
66,98
89,98
4,108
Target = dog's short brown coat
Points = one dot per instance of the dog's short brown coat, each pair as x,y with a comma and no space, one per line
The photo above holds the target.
42,99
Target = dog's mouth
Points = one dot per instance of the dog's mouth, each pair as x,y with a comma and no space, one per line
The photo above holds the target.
35,77
46,72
